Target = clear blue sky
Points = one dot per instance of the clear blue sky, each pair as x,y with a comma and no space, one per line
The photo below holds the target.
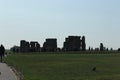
98,20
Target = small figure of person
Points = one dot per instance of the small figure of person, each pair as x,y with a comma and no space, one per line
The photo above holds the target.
2,52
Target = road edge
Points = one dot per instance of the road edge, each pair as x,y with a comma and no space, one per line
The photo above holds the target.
17,73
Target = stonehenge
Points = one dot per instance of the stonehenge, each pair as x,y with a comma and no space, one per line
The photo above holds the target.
72,43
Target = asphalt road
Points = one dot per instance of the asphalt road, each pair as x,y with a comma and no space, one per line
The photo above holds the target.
6,73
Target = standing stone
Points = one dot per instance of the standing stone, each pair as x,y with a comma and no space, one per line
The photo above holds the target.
34,46
101,47
50,45
24,46
83,44
37,47
72,43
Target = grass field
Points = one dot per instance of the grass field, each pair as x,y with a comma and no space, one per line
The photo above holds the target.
52,66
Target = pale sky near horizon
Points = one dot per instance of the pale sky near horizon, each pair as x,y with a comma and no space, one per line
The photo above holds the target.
36,20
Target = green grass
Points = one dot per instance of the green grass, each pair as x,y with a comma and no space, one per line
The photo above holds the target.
65,66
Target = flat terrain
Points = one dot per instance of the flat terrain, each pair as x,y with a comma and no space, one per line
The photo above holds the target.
66,66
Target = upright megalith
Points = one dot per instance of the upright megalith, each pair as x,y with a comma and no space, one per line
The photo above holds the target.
50,44
83,44
89,49
72,43
101,47
34,46
38,47
24,46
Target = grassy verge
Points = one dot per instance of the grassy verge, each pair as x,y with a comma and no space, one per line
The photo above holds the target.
52,66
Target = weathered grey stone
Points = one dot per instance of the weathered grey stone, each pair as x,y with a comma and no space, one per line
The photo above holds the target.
83,44
24,46
72,43
50,45
33,46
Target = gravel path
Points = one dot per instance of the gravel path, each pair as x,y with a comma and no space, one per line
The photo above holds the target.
6,73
